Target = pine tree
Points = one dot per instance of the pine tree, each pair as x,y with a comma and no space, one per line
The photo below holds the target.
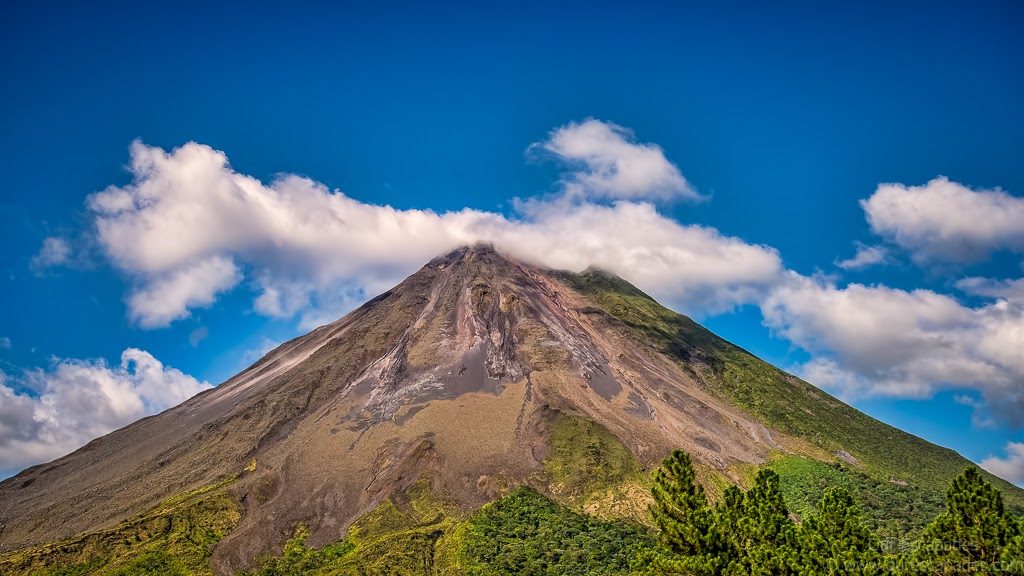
836,540
969,536
1013,553
684,520
765,539
680,509
728,515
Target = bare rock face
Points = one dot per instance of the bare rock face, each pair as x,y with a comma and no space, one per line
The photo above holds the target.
452,375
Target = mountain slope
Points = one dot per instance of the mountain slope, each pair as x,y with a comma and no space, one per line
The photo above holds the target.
474,373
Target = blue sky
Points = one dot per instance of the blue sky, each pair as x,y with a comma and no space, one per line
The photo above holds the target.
779,120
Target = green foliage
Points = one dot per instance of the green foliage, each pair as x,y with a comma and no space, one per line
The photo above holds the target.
527,534
175,537
680,510
585,457
156,563
522,533
969,537
297,559
416,533
765,539
748,533
836,540
753,533
892,510
1013,554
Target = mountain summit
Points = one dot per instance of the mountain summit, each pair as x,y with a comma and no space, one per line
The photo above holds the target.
461,376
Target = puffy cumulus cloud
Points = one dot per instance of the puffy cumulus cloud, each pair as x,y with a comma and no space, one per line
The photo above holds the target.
946,222
608,162
167,297
875,340
188,228
1009,468
75,401
865,256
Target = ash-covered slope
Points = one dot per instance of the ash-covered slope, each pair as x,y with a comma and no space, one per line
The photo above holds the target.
454,375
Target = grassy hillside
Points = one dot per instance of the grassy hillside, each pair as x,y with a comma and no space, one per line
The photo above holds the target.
890,510
174,538
778,399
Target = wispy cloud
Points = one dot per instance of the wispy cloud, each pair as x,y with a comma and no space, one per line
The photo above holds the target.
55,251
198,335
865,257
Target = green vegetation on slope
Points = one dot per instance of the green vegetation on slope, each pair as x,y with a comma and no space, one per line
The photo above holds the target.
754,533
525,533
892,510
779,400
521,533
175,537
584,458
400,536
415,532
588,468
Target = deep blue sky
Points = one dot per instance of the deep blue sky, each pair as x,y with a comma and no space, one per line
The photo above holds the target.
786,114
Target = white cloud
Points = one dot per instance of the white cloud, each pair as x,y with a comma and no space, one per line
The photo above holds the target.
5,343
875,340
694,267
827,374
1010,468
1012,290
865,256
946,222
77,400
189,227
168,297
610,163
55,251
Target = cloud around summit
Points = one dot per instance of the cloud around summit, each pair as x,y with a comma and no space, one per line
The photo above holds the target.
188,228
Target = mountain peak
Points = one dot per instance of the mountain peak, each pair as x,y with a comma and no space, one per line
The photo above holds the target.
457,376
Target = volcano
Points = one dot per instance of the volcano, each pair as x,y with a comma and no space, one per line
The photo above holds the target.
459,376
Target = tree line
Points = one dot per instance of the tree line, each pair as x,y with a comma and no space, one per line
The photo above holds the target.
753,532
